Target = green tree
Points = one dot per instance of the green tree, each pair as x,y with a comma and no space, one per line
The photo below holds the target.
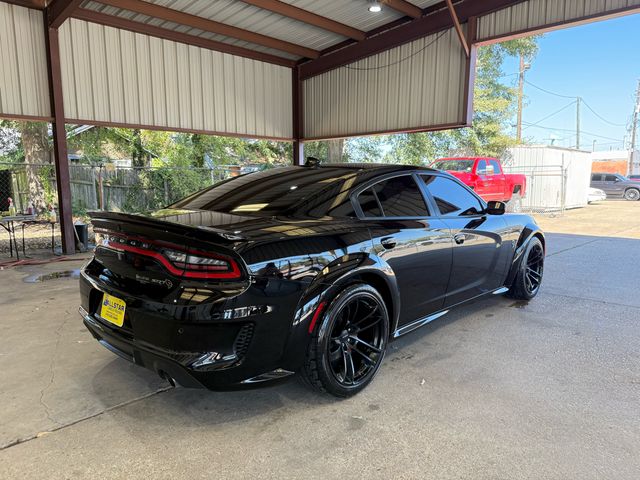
494,107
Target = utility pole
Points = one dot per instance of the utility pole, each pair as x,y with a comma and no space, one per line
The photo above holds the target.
523,68
578,100
634,130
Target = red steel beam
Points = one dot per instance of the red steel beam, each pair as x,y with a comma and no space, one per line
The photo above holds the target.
35,4
458,27
418,28
164,33
470,70
310,18
404,7
59,10
63,180
193,21
298,117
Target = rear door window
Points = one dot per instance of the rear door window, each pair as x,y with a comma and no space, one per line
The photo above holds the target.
369,203
395,197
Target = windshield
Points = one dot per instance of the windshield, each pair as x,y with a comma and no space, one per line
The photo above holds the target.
314,192
454,165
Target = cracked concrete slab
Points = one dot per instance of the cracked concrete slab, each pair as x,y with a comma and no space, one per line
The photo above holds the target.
51,371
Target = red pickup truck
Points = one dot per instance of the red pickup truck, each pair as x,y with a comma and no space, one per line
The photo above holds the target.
485,176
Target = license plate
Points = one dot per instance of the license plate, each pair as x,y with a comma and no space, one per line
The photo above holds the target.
112,309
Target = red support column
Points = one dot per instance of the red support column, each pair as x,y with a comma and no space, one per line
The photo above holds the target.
59,139
298,117
470,73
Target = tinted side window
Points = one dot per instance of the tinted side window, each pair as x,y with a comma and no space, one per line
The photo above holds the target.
481,169
369,203
596,178
610,178
398,197
451,197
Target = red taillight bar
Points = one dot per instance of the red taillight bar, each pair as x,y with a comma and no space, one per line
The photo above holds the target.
181,270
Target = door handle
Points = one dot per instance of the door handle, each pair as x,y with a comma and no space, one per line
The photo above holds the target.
459,238
388,242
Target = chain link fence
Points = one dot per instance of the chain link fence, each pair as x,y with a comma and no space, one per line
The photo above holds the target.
106,187
32,188
546,190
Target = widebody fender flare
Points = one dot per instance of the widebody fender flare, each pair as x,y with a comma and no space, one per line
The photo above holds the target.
332,279
528,232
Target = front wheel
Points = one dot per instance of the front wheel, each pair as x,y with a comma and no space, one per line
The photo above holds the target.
526,284
348,343
632,194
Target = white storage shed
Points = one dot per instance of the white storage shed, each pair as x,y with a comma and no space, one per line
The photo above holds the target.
557,178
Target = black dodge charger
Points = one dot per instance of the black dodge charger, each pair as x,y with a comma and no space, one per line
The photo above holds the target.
308,269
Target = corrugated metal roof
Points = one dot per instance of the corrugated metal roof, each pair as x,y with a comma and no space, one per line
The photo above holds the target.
418,85
24,86
539,13
116,76
242,15
194,31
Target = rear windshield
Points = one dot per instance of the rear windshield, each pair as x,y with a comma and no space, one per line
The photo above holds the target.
454,165
280,191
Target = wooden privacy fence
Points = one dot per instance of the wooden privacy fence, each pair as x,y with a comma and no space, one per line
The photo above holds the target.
111,188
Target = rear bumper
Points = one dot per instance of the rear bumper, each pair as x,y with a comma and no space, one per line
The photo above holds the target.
184,345
171,366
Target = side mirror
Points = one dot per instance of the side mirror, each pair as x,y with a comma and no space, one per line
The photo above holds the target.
496,208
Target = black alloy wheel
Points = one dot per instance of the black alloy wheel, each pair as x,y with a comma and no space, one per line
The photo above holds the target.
632,194
349,343
526,284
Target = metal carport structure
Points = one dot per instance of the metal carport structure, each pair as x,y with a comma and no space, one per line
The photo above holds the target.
294,70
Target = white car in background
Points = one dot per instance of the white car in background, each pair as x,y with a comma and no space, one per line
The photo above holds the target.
596,195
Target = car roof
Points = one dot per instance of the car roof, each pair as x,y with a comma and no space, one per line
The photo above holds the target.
446,159
382,167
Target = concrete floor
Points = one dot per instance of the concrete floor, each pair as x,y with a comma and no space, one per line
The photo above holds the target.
497,389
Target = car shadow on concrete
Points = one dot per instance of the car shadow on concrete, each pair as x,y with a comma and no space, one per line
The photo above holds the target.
571,258
202,407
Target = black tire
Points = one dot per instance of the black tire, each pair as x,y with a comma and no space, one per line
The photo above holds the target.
526,284
357,312
632,194
515,204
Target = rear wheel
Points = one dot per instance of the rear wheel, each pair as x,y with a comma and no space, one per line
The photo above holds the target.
348,343
528,279
632,194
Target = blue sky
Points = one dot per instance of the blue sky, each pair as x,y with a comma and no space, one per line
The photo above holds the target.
599,62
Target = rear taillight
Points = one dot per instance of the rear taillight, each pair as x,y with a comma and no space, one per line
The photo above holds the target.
180,262
202,265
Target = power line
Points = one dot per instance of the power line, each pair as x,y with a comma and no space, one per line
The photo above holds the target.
549,91
550,115
601,117
568,130
555,94
408,57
